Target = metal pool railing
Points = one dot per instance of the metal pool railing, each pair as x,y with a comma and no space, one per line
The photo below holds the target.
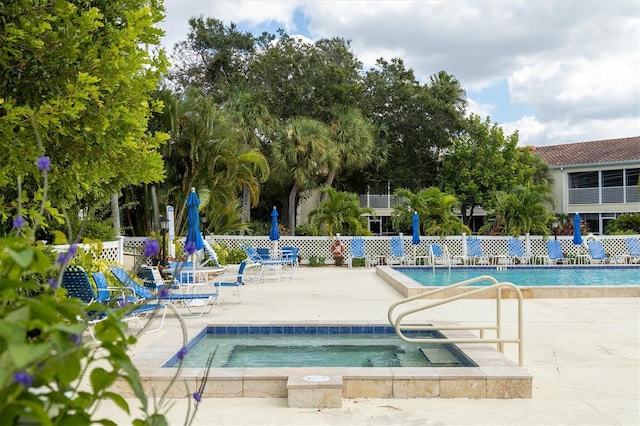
396,321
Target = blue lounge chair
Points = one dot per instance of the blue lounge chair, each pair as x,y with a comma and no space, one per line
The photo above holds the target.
596,252
516,252
76,281
196,303
438,255
633,247
357,251
231,280
554,253
396,251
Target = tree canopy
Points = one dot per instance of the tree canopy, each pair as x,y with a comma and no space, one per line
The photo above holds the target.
80,74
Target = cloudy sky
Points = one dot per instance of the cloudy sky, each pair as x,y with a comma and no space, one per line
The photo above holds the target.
556,71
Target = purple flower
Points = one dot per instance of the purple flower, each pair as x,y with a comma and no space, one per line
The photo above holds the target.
25,379
53,282
197,396
182,352
122,303
19,222
164,292
76,339
190,247
151,247
44,163
64,258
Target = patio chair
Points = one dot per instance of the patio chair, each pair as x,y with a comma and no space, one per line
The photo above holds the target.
357,251
76,281
633,247
396,251
596,252
439,255
231,280
554,253
197,304
474,255
516,252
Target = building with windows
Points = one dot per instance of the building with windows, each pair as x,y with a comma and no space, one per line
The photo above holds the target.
598,179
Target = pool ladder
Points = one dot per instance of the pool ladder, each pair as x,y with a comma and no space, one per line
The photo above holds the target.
496,287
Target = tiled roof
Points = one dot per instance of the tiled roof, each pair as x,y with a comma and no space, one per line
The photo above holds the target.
595,152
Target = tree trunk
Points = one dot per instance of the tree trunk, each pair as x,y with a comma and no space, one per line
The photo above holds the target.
331,176
156,210
292,209
115,212
246,206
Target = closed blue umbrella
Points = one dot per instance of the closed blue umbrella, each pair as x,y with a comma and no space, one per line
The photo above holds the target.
194,237
274,235
415,224
577,238
416,229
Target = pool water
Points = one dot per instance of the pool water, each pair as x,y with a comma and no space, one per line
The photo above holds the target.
523,276
316,346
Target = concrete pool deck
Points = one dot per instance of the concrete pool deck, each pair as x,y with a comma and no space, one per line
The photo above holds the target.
583,354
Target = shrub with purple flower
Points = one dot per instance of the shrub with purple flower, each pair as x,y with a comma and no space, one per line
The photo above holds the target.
44,163
151,247
19,222
23,378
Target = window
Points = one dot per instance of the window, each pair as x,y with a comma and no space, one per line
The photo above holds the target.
583,180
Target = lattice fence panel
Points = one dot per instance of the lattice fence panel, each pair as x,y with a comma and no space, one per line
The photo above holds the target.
380,246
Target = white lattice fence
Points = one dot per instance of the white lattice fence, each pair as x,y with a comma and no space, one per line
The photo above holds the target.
380,246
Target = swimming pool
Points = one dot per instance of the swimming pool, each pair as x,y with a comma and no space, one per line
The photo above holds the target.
316,346
535,276
534,282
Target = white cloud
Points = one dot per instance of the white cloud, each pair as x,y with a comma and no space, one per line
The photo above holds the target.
573,64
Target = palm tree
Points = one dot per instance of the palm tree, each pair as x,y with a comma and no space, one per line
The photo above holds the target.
521,211
205,152
355,141
251,121
435,209
340,213
302,156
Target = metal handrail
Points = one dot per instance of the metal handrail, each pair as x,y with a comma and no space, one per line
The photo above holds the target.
497,286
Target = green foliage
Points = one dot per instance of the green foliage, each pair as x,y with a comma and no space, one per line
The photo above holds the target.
41,345
80,73
316,261
340,213
483,160
358,262
625,224
306,230
227,256
521,211
435,209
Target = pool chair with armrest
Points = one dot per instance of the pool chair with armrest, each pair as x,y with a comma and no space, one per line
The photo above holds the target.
196,303
356,251
596,252
633,249
474,255
76,281
396,251
554,253
439,255
231,280
516,252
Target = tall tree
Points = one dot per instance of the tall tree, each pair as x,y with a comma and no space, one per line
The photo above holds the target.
301,157
83,73
419,121
481,161
354,138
